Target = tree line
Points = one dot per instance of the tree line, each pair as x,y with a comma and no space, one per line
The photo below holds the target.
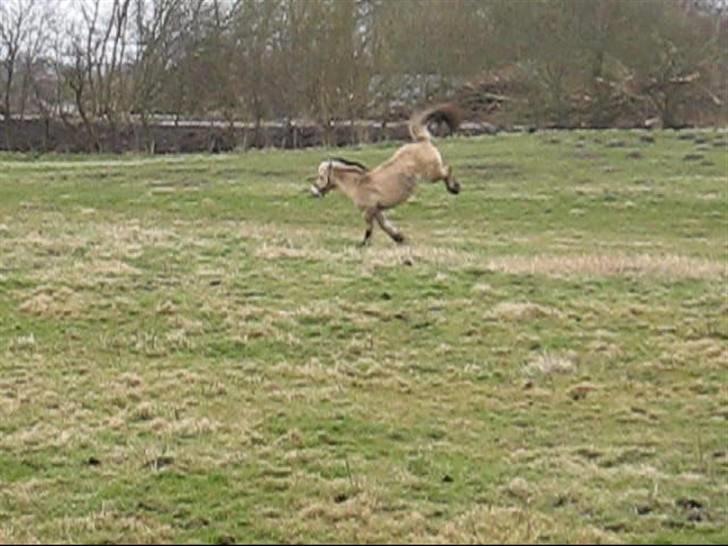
115,62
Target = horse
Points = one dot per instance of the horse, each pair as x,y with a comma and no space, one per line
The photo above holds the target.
392,182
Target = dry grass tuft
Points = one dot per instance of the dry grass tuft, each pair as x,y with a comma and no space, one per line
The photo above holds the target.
520,489
608,265
505,525
549,364
108,268
392,256
598,265
483,289
517,311
52,302
276,252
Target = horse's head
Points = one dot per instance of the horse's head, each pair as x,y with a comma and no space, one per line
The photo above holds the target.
325,181
333,172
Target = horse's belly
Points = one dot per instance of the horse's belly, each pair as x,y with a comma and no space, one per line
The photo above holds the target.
398,192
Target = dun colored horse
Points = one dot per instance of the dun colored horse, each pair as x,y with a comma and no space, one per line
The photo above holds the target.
392,182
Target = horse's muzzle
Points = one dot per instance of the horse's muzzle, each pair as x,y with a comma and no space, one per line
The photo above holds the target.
319,192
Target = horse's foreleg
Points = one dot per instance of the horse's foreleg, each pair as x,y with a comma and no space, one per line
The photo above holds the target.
389,228
369,219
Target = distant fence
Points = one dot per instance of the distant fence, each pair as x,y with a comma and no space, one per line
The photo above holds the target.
163,137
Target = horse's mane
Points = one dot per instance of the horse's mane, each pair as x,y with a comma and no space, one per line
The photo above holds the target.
350,163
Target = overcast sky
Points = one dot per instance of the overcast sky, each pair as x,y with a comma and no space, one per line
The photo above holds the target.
73,7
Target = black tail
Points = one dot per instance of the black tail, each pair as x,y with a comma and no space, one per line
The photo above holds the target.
447,113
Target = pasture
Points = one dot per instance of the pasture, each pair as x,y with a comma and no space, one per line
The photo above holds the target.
194,349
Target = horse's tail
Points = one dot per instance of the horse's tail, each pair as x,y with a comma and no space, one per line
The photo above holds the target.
449,113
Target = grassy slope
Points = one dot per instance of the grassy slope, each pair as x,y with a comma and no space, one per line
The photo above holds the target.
194,350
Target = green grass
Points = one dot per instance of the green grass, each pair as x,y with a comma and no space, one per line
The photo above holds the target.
195,350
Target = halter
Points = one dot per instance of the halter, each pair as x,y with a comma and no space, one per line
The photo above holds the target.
329,173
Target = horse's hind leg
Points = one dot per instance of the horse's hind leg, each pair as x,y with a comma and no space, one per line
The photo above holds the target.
452,185
389,228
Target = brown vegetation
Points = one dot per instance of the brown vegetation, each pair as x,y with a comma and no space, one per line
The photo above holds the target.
126,73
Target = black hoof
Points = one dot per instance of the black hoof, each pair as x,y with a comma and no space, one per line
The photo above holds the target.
398,238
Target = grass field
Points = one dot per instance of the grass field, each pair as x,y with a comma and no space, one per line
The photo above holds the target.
193,349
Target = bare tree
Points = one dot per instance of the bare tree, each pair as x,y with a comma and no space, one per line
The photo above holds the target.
114,100
167,35
20,33
22,41
254,24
